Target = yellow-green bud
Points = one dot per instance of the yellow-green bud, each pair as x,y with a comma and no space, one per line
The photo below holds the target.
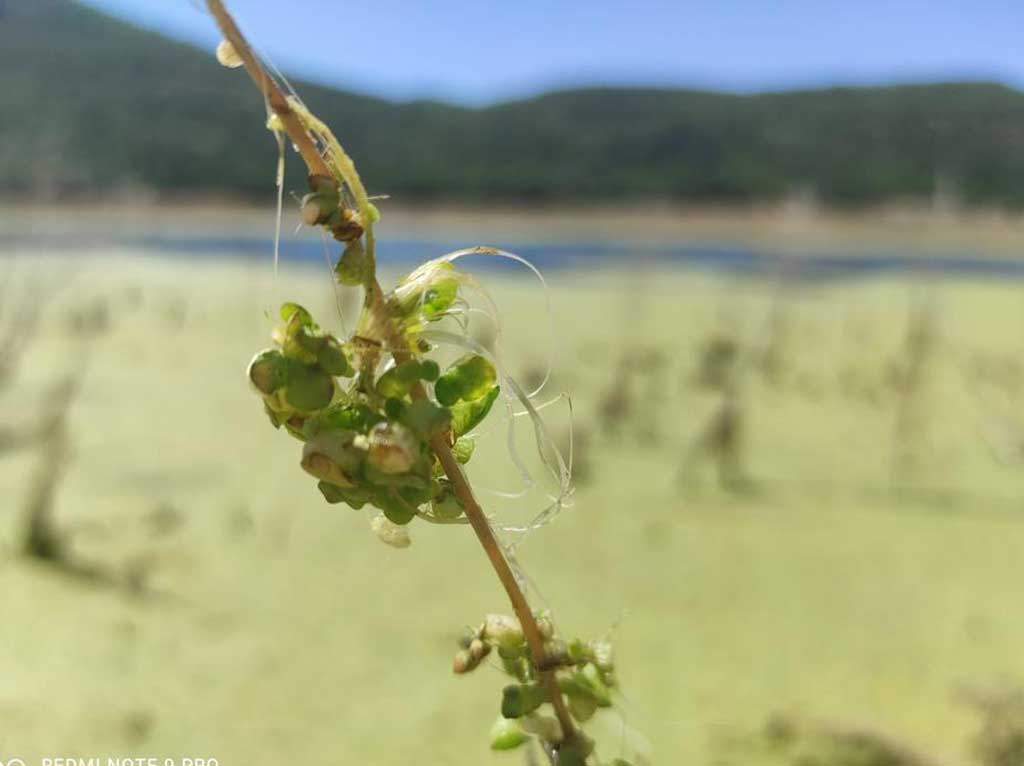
507,735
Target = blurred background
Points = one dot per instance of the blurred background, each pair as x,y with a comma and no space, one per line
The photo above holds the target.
783,245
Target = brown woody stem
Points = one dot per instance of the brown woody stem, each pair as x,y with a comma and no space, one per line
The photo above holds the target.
377,306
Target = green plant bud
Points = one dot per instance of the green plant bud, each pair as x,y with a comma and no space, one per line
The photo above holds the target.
392,448
347,417
439,297
397,510
468,378
390,533
355,498
417,493
579,652
332,492
317,208
464,662
346,225
507,735
394,408
429,291
595,680
426,419
516,666
446,505
478,649
309,389
338,445
575,753
322,467
351,268
463,450
582,708
289,310
373,211
429,370
503,631
446,390
468,415
587,683
518,700
296,426
544,726
268,371
399,379
332,359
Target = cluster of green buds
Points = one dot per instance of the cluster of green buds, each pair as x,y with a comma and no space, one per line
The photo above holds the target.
584,670
367,428
325,205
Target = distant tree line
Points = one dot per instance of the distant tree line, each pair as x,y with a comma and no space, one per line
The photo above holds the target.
96,106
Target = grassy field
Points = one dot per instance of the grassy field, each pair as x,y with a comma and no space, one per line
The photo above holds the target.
867,567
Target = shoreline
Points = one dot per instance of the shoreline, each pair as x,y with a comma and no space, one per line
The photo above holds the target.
791,227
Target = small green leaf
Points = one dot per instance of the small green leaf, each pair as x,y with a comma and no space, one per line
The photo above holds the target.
468,415
507,735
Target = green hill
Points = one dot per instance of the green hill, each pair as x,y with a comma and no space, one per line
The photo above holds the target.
94,106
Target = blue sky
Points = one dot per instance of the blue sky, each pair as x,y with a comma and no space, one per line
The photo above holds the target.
481,51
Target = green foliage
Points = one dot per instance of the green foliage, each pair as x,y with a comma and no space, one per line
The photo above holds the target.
367,441
469,378
468,415
584,672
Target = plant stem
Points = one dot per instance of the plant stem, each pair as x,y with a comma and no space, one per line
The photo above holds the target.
271,91
378,307
485,535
